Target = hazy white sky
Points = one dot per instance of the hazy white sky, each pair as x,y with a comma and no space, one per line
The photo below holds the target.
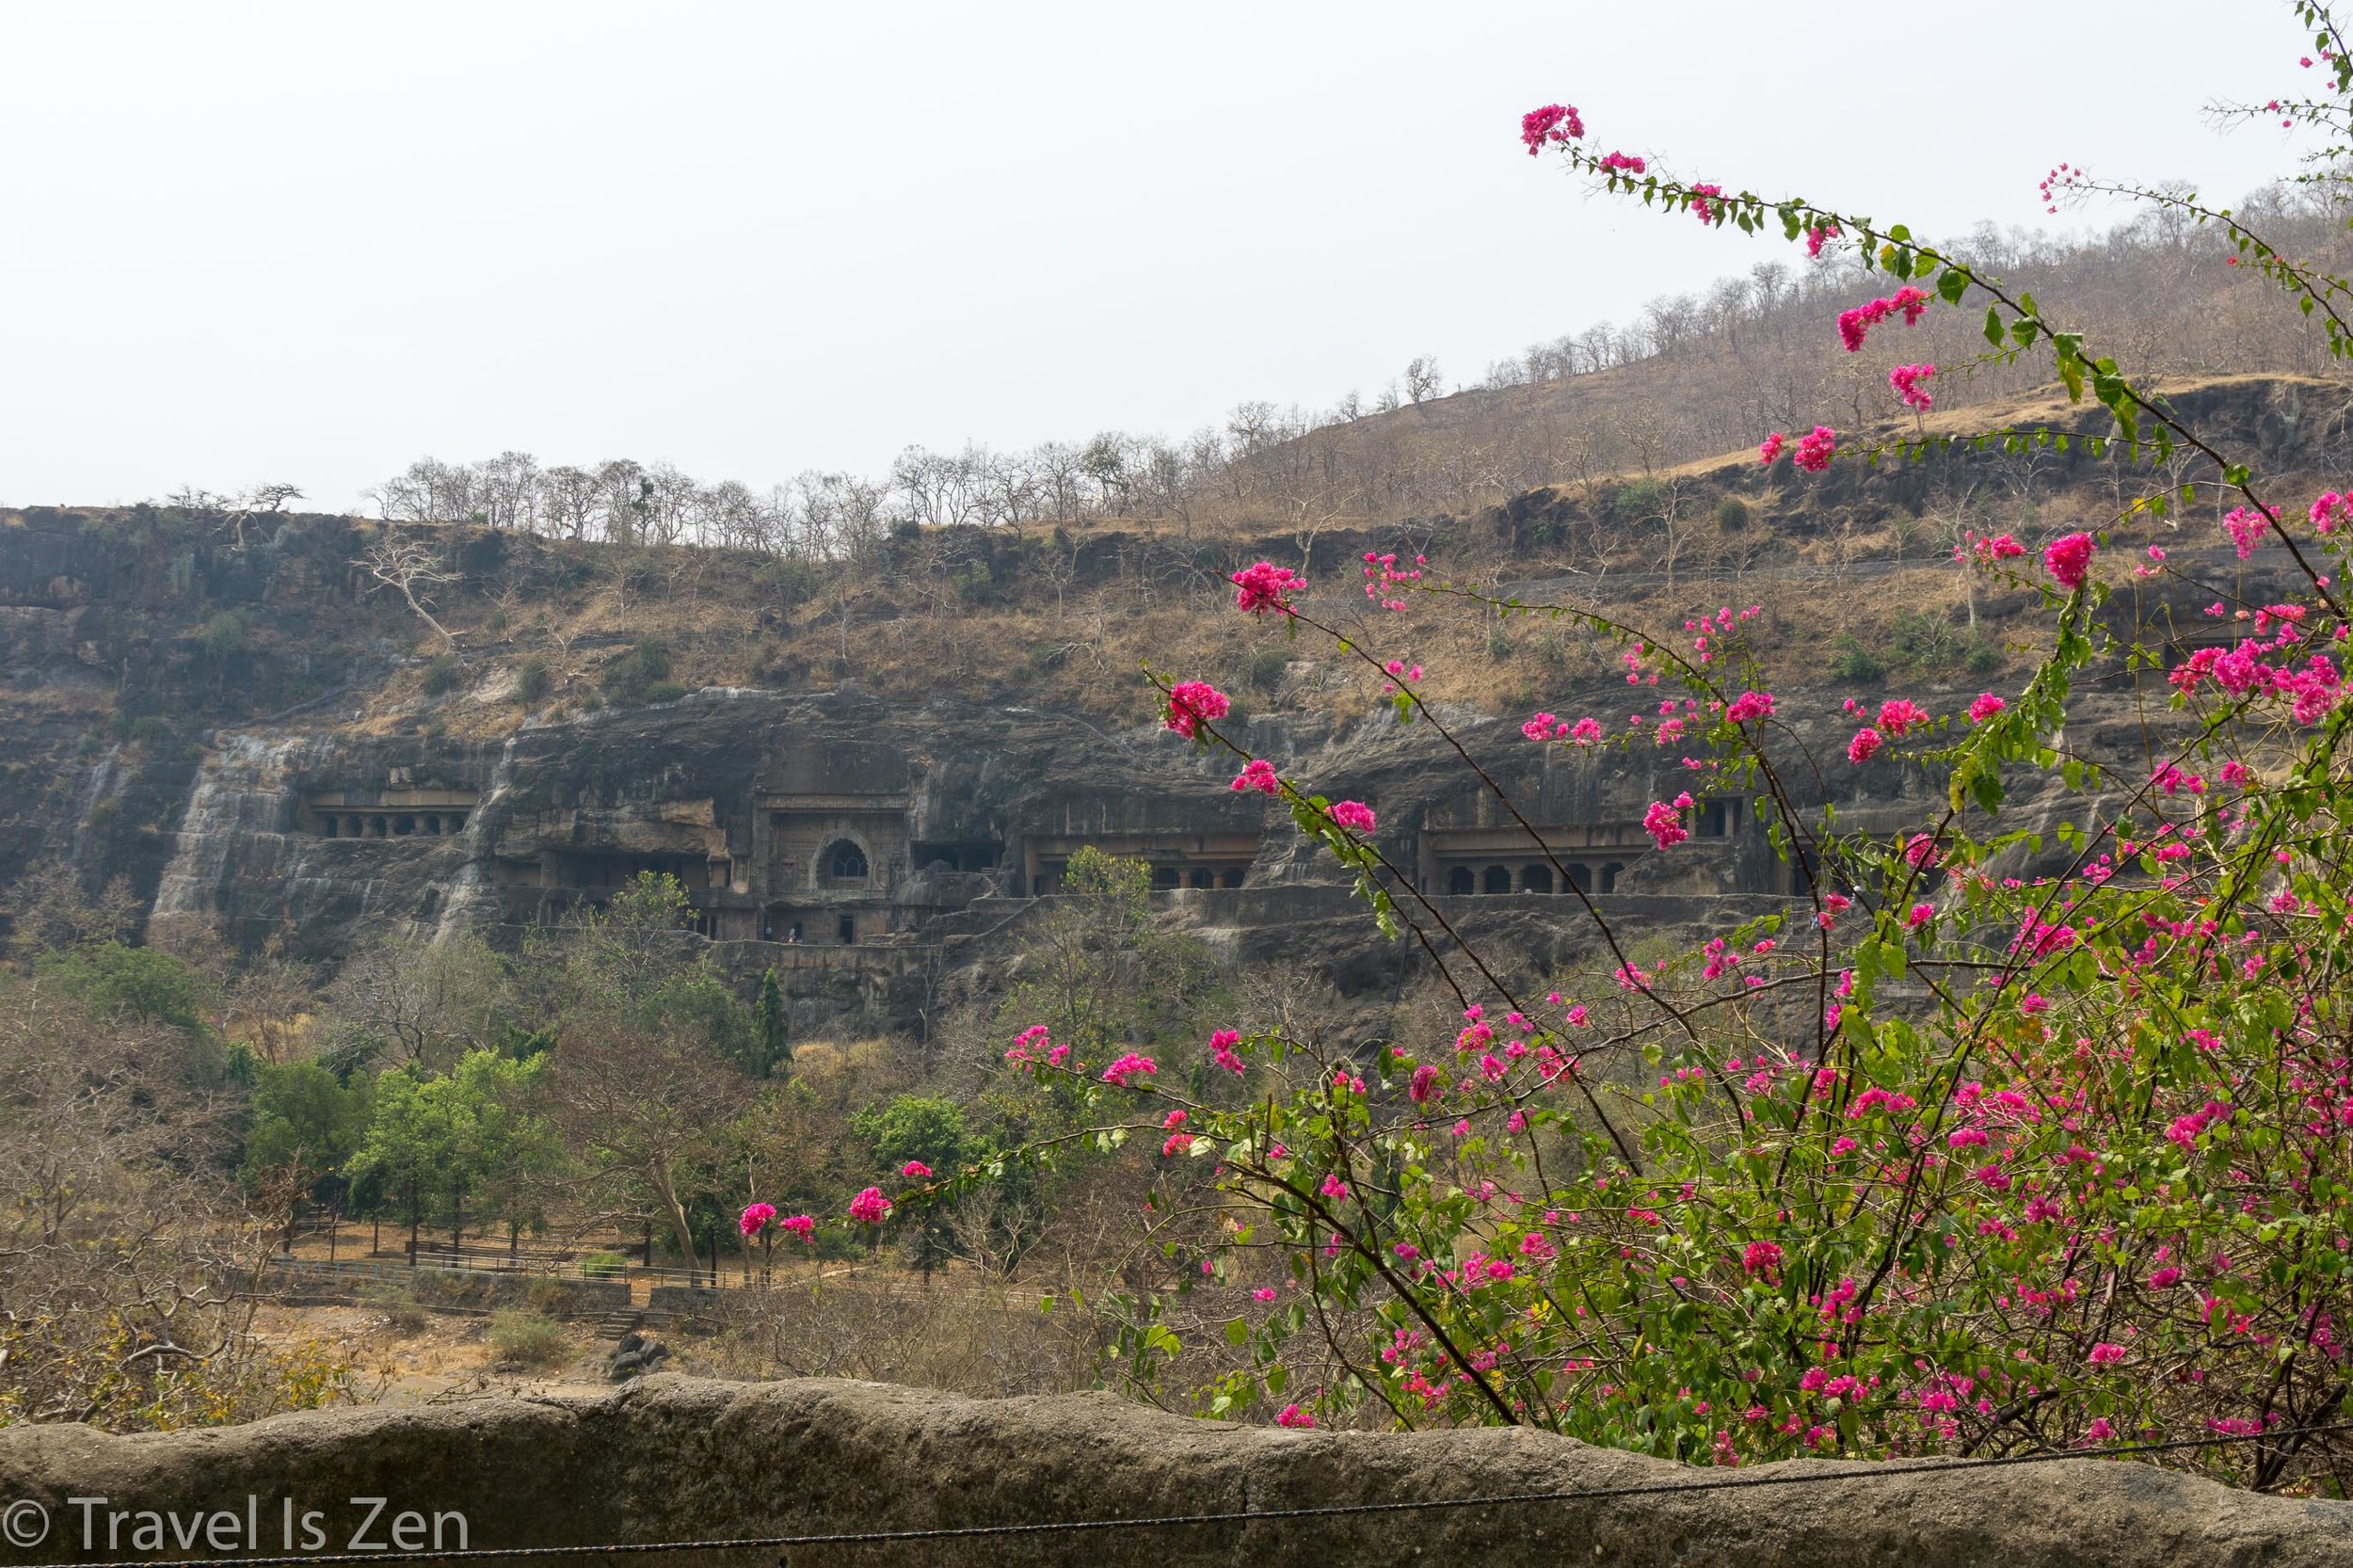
315,241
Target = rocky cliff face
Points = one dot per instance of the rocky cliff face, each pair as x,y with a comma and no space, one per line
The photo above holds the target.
843,835
219,711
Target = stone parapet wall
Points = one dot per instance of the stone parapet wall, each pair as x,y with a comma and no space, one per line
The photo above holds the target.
675,1459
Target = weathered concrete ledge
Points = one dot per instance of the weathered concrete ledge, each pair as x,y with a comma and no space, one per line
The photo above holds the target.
673,1458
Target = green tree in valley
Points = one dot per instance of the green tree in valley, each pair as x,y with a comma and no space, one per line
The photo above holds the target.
307,1123
771,1034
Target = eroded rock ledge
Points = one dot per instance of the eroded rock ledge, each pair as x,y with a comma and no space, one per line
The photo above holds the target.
674,1458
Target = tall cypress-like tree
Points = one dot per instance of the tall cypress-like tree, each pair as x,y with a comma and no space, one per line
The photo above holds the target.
771,1034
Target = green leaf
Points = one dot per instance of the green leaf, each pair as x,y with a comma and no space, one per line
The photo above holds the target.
1993,326
1951,284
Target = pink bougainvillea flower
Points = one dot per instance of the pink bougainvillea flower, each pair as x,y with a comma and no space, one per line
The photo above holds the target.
1028,1043
1263,585
1900,716
1907,381
1260,775
1663,821
1985,707
1817,448
1427,1085
1353,814
915,1170
1129,1068
1704,202
1623,163
1854,326
755,1218
1192,704
1750,705
869,1207
1553,124
2247,527
2068,558
802,1225
1762,1258
1221,1044
1291,1416
1820,236
1867,742
1770,448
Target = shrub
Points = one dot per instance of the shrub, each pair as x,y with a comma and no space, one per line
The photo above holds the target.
1263,671
1852,660
227,632
974,584
641,676
441,675
529,1339
1644,498
404,1317
603,1265
1732,514
143,982
532,679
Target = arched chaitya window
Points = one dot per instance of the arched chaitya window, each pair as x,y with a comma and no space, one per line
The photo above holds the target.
845,862
1535,879
1580,876
1460,880
1498,879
